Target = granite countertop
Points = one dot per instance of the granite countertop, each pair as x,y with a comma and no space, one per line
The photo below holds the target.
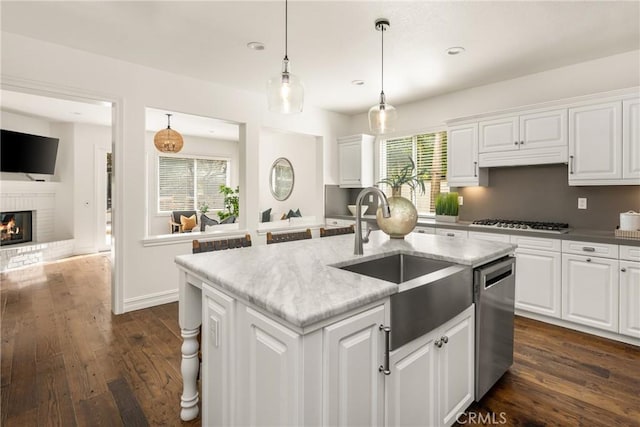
297,282
579,234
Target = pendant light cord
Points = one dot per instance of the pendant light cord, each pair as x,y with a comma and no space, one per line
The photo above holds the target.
382,68
286,27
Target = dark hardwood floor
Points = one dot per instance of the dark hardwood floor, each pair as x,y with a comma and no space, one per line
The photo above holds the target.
67,361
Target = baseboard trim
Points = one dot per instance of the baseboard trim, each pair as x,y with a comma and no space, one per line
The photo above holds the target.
151,300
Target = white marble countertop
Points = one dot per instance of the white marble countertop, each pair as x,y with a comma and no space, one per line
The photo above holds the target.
297,281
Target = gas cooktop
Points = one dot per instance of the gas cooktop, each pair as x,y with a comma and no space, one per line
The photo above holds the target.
543,227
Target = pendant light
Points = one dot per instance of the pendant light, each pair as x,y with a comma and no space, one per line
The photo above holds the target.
168,140
382,116
285,92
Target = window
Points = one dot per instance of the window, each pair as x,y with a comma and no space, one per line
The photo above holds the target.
186,183
429,152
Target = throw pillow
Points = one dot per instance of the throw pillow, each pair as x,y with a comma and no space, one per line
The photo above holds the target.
187,223
266,215
298,214
293,214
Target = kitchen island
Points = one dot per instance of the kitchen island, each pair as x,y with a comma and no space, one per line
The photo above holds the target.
270,314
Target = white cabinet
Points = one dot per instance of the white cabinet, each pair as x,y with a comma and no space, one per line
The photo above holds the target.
630,291
590,291
432,377
353,391
424,230
449,232
269,389
528,139
493,237
462,157
355,158
538,277
631,140
218,317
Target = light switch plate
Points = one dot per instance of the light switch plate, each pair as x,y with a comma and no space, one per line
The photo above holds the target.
582,203
460,200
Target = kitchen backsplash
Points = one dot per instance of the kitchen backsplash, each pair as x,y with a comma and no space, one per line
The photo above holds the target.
532,193
541,193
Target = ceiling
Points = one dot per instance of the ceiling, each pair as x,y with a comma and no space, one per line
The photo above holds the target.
332,43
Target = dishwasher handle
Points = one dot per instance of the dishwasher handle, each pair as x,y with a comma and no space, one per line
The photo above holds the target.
496,273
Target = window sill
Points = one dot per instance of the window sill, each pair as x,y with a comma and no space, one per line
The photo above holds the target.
181,238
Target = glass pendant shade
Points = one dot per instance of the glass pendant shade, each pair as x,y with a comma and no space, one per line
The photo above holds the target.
285,92
168,140
382,117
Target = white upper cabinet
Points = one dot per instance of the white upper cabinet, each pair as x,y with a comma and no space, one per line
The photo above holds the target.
462,157
595,143
527,139
631,140
355,158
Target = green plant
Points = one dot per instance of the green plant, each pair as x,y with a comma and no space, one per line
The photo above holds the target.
408,175
231,202
204,208
447,204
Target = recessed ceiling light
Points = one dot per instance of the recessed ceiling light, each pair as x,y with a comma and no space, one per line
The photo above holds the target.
456,50
357,82
255,45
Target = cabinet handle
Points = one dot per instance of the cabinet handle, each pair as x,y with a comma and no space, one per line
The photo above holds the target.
438,343
445,339
588,249
588,259
387,345
571,165
451,235
475,169
624,270
521,142
515,142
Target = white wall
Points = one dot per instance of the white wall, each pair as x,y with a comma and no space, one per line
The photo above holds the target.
147,275
301,151
193,146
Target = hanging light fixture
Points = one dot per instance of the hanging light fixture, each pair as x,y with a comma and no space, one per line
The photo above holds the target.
168,140
382,116
285,92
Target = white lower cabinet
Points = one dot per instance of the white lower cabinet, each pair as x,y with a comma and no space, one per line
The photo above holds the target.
354,388
630,298
538,281
432,377
590,291
448,232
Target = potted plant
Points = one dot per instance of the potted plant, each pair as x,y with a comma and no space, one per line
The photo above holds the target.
404,215
231,202
447,207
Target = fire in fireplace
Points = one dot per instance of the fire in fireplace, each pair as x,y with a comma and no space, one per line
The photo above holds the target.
15,227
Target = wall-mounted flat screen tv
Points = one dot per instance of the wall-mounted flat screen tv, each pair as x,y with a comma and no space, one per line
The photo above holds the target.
23,152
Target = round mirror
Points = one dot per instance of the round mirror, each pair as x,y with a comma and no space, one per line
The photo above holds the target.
281,179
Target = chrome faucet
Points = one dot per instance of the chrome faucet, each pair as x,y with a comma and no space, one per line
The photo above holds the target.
385,213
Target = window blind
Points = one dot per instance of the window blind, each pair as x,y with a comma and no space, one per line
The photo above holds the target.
187,183
429,153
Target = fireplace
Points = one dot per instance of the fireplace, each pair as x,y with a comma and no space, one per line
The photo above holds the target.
15,227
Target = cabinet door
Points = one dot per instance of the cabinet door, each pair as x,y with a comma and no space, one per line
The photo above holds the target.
631,140
218,364
590,291
456,366
543,130
448,232
595,142
354,387
494,237
270,391
538,281
499,135
462,156
630,298
350,155
411,388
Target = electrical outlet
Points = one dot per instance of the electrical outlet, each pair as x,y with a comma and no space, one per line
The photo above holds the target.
460,200
582,203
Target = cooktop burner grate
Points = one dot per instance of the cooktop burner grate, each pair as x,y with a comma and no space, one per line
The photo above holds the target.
548,227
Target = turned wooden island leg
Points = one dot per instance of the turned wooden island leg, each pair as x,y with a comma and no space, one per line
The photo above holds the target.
189,368
190,318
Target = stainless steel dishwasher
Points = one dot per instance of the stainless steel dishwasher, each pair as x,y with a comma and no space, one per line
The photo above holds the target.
494,294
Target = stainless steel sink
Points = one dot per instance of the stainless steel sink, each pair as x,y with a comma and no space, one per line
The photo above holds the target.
430,293
398,268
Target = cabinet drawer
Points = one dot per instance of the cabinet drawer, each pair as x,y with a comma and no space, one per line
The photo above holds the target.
337,222
589,248
424,230
537,243
630,253
451,233
494,237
